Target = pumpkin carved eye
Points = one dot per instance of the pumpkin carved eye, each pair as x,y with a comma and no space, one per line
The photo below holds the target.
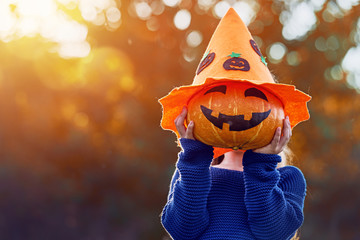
221,89
254,92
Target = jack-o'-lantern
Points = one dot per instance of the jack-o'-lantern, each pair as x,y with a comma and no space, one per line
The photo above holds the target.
235,115
234,100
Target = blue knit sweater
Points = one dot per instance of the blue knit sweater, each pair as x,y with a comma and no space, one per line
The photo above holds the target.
204,202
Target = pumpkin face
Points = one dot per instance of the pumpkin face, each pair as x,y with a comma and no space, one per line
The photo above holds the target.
235,115
236,63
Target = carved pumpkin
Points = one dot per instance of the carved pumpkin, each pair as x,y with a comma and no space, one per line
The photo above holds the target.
236,115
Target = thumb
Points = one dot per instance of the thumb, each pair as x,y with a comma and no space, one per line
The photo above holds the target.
190,130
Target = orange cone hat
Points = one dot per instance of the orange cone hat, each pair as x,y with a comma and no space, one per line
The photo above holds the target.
232,40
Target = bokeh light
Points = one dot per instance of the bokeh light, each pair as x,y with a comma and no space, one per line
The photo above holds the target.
336,72
293,58
298,21
350,64
194,38
157,7
347,4
113,14
277,51
205,5
171,3
153,24
320,44
143,10
189,55
221,8
182,19
246,11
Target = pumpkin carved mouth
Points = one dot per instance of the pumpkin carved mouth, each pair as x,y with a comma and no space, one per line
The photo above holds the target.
236,122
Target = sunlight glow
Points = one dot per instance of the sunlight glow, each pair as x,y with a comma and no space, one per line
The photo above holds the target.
127,83
88,13
37,9
23,18
81,120
71,50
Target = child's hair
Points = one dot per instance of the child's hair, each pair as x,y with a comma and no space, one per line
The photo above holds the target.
296,236
286,157
218,160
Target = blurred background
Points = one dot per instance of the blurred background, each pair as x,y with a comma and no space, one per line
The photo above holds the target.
82,155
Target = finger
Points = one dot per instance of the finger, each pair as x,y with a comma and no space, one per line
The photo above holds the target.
179,123
276,139
290,130
288,127
190,130
286,133
183,114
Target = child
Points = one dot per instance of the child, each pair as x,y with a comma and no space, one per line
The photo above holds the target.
244,197
247,195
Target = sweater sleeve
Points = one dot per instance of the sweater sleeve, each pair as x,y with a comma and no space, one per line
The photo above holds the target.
274,198
185,215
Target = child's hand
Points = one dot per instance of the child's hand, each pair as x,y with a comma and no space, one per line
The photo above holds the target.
179,123
279,142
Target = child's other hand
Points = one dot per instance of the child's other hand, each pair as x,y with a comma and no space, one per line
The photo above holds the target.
179,123
279,142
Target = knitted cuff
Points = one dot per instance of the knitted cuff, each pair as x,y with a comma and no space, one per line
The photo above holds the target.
251,157
195,152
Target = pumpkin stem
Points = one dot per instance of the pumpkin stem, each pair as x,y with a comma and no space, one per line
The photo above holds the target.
233,54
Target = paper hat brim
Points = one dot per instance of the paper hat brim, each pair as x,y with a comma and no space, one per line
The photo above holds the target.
293,100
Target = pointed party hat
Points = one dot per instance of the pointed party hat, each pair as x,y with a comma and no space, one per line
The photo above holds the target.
232,55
